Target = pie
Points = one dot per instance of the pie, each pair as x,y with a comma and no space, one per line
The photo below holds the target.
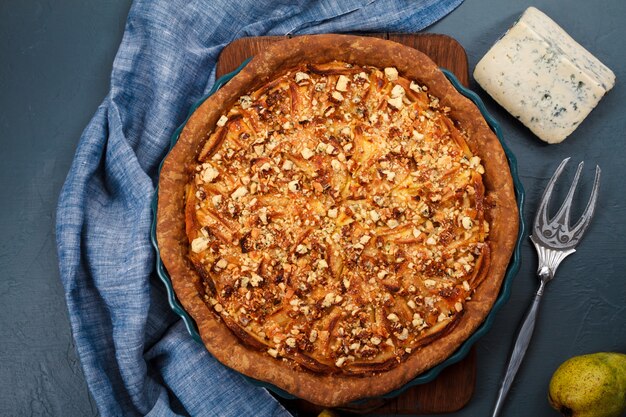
339,223
337,218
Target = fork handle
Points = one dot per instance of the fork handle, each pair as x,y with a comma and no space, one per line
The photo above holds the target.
519,349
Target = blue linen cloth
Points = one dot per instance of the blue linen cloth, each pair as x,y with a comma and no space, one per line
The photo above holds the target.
137,357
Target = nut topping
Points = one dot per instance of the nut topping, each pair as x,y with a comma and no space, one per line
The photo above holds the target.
338,216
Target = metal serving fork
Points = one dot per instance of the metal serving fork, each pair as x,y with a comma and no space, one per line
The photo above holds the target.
554,240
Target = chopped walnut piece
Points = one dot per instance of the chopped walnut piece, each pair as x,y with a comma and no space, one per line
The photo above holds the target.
329,299
239,192
397,91
287,165
301,76
415,87
342,83
337,96
417,135
199,244
393,317
391,73
389,174
392,224
259,150
255,280
245,102
293,186
396,103
418,321
209,173
307,153
403,335
361,75
222,121
263,215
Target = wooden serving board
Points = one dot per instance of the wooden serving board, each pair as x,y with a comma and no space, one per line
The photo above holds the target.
454,387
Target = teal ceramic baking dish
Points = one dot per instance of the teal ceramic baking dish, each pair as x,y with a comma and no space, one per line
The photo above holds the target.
464,349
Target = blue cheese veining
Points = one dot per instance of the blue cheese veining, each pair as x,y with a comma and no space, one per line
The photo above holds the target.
543,77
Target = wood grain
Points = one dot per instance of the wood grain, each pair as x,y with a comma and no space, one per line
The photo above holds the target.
454,387
444,50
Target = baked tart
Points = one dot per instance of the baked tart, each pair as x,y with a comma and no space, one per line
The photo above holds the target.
337,218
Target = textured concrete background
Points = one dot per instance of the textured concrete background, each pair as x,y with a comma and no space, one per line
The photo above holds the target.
55,59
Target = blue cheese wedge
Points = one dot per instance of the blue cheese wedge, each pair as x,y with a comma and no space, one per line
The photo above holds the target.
543,77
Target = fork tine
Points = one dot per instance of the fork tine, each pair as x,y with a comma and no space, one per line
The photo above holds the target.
581,226
542,211
562,216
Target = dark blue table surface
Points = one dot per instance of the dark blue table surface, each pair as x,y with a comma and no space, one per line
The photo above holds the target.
55,60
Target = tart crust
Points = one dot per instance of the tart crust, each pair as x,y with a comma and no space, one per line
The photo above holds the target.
500,209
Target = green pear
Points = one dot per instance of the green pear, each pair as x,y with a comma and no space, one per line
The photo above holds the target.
591,385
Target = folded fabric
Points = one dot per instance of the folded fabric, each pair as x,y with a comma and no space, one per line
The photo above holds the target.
137,357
